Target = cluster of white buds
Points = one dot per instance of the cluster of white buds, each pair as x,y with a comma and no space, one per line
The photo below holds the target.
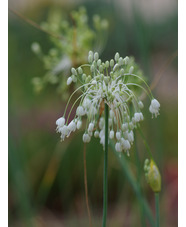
116,83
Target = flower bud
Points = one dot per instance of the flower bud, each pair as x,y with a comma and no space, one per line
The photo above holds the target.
107,64
126,60
74,79
111,63
73,71
69,80
96,56
106,79
84,76
140,104
79,124
80,70
92,68
116,56
96,134
120,62
152,174
101,68
36,48
90,58
99,62
131,70
122,71
115,67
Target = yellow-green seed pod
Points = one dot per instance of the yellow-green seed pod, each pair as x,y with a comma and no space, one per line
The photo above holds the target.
152,175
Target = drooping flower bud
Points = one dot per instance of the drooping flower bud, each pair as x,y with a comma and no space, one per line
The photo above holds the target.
86,138
154,107
69,80
111,134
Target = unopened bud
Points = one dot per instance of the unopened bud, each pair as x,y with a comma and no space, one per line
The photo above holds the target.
152,174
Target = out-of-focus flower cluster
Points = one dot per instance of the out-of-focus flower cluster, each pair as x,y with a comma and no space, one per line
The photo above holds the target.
118,83
74,36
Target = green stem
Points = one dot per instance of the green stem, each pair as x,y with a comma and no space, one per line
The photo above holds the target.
105,181
157,209
138,181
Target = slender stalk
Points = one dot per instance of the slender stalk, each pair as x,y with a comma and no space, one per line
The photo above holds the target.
105,180
86,187
138,181
157,209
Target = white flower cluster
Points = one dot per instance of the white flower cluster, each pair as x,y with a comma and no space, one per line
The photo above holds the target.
114,83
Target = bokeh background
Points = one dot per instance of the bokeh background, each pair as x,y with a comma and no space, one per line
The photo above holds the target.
46,185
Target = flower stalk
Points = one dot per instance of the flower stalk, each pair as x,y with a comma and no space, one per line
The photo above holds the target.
105,171
157,209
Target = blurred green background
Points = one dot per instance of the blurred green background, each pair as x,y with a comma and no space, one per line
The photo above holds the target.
46,186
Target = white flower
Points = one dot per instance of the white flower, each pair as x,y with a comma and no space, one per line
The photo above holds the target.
69,80
91,127
64,132
102,140
72,126
86,138
141,117
115,83
137,117
154,107
80,111
118,147
124,127
155,104
131,136
125,144
96,134
118,135
111,134
86,103
60,122
102,133
79,124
